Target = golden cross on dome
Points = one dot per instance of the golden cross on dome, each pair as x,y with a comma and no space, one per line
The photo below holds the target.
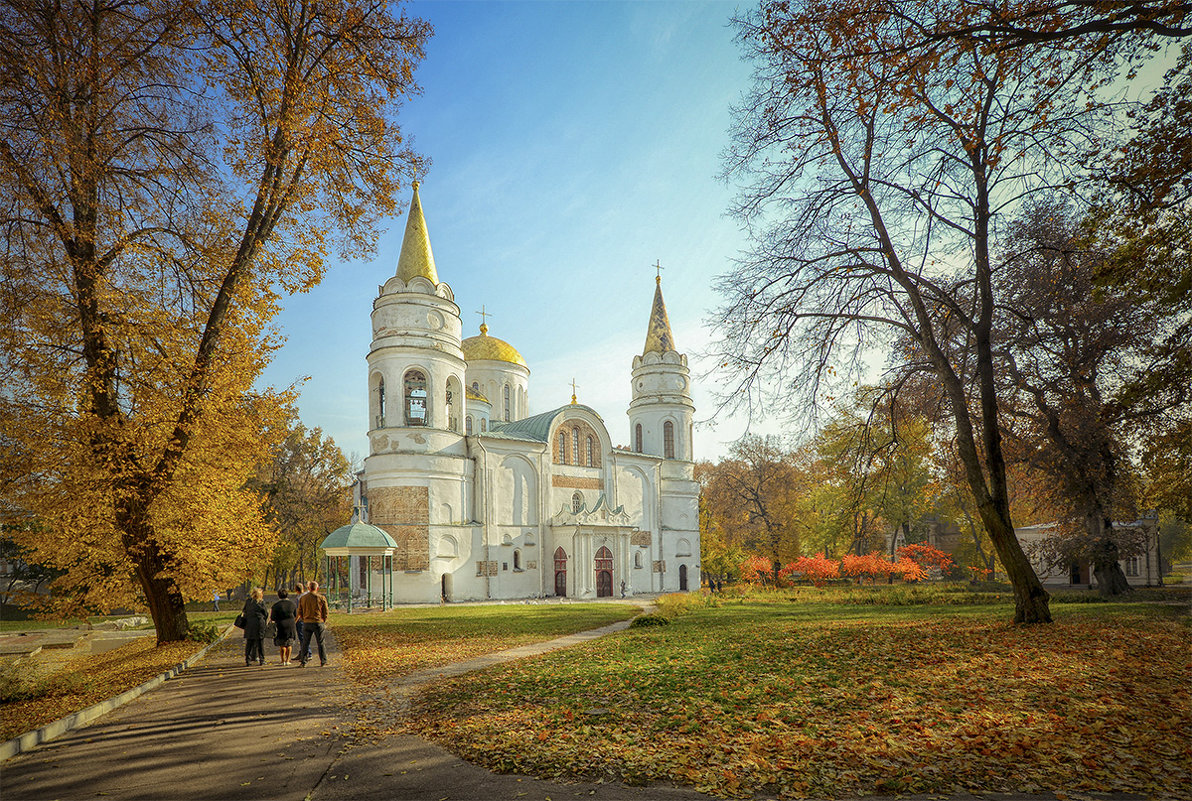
484,315
658,266
574,387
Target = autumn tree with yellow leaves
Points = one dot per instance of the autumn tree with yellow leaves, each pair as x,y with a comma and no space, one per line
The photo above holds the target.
169,168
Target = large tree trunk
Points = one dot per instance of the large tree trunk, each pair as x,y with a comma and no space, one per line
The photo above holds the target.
1111,581
1031,601
166,604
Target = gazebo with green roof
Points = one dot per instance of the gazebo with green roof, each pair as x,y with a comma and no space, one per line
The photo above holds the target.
364,542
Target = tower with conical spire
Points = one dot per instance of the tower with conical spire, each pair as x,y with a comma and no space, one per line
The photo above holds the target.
416,478
660,425
661,411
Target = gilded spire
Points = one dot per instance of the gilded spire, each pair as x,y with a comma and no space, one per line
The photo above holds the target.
658,336
416,257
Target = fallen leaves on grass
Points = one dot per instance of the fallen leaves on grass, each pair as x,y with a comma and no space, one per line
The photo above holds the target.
89,679
741,701
379,648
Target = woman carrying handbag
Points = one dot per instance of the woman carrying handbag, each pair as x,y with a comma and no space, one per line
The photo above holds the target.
255,617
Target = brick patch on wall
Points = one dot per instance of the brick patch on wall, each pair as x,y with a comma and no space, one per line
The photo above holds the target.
404,513
574,482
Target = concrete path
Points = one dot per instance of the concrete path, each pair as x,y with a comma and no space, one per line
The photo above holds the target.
217,731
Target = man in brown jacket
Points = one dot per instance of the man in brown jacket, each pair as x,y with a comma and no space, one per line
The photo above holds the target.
312,611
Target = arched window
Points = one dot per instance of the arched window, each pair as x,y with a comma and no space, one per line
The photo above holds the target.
562,447
668,439
637,438
590,450
507,418
483,425
575,446
381,403
577,502
476,387
417,408
637,559
452,419
468,425
517,560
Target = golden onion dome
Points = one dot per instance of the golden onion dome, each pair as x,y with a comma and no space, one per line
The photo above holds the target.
488,348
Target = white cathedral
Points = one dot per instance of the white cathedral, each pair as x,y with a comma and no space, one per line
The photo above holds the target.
482,500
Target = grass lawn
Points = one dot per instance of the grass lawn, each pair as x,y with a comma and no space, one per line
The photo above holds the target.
812,699
378,647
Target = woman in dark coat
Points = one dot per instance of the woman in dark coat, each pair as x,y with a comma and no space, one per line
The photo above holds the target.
285,614
255,617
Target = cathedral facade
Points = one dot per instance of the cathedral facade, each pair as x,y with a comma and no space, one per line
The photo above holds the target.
484,500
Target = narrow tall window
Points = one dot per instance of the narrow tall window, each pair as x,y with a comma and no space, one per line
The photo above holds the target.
483,425
381,403
637,438
577,502
517,560
562,447
507,418
452,420
591,463
575,446
417,411
468,425
668,439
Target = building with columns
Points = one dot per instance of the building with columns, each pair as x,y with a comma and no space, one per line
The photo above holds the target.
484,500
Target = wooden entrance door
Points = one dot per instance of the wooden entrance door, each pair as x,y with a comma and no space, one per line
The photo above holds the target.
560,573
604,573
683,578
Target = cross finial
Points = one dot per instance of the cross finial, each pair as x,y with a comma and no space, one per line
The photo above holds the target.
574,388
658,266
484,315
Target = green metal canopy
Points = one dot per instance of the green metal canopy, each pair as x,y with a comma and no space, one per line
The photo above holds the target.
355,537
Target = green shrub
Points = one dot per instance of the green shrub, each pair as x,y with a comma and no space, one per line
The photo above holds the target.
651,619
202,632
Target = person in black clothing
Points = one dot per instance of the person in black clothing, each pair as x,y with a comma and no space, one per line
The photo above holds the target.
255,617
285,614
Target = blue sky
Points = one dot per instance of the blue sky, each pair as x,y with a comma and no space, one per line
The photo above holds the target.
573,145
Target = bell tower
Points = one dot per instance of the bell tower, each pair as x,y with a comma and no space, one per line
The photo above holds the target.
417,475
660,426
661,411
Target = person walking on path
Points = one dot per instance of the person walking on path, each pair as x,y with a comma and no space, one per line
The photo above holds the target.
313,611
284,613
299,591
255,617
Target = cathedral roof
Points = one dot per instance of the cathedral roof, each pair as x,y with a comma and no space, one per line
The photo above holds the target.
533,429
474,394
416,258
658,335
484,347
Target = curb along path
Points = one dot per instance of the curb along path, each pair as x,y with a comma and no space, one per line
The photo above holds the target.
220,730
57,728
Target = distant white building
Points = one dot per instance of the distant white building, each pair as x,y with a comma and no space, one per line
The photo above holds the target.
484,501
1142,569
